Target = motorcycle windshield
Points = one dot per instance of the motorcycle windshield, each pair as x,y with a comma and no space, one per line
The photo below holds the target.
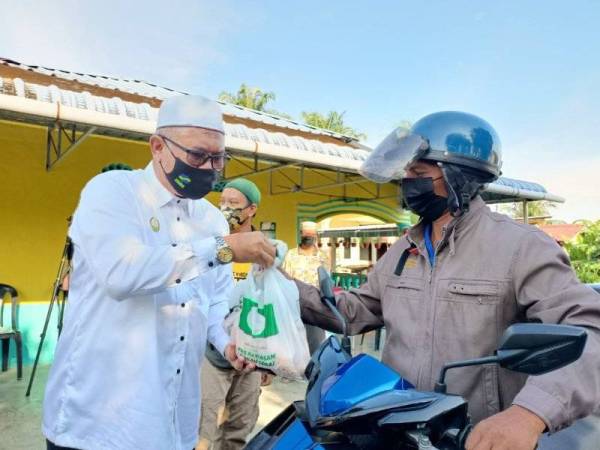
324,363
356,381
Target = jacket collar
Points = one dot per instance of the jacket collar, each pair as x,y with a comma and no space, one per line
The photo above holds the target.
453,229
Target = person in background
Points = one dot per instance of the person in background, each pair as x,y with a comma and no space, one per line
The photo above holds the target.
230,397
302,263
239,203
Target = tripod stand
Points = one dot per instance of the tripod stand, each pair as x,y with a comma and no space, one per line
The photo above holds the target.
63,270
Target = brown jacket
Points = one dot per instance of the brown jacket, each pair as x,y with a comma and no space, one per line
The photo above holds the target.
490,272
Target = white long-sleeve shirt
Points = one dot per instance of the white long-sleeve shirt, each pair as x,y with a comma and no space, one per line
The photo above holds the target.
145,294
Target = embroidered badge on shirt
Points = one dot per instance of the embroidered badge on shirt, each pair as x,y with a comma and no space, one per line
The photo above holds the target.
411,263
154,224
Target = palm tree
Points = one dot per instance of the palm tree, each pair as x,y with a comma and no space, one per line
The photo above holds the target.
249,97
333,121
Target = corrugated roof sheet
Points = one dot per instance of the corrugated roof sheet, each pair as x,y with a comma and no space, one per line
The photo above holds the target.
138,87
146,89
143,111
345,156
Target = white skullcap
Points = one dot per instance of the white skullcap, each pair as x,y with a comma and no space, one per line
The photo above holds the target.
308,226
190,111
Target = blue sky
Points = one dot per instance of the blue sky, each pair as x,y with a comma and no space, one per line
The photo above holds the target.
530,68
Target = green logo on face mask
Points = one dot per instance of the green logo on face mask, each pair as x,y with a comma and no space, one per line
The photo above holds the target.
182,180
256,321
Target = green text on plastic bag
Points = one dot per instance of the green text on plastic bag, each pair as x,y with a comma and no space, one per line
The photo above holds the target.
266,312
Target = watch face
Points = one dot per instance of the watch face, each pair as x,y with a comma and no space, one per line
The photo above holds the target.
225,255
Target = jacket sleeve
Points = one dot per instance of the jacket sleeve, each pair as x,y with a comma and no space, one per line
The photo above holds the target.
361,307
549,291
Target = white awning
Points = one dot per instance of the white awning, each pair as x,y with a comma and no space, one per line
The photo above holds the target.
34,103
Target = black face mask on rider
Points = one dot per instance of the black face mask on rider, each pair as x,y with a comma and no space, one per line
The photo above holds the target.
420,198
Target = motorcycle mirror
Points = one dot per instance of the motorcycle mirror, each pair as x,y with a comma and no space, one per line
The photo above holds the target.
326,285
531,348
328,297
538,348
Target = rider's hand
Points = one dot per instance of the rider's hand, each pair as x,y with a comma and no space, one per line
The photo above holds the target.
251,247
516,428
266,379
238,363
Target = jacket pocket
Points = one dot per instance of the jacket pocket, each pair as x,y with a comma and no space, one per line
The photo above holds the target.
471,291
404,287
403,305
467,322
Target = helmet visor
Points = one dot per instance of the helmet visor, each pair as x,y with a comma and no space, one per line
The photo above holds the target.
389,159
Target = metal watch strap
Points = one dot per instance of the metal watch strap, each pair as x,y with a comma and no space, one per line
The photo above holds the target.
221,243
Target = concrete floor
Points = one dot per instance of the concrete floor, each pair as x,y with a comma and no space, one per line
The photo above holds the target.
21,417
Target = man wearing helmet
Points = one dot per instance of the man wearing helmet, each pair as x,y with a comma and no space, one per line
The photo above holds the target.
459,278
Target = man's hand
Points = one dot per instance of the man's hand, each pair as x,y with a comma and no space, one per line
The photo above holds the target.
266,379
238,363
513,429
251,247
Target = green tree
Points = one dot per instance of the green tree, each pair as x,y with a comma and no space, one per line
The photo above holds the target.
542,208
248,97
253,98
584,251
333,121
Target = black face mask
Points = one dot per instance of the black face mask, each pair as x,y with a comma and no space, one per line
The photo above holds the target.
190,182
307,241
420,198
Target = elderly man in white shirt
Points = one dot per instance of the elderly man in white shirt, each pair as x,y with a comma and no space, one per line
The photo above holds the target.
149,286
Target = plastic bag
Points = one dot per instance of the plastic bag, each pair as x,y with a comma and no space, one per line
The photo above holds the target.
267,328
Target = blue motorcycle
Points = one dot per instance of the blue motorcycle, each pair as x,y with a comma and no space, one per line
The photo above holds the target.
358,402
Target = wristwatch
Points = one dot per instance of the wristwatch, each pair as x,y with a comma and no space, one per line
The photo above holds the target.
224,252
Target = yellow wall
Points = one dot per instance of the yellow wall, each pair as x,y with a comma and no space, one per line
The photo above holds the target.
34,203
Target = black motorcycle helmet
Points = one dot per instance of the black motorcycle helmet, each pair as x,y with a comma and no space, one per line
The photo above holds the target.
464,146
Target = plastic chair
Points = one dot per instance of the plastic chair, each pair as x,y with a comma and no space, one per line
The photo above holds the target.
336,277
10,332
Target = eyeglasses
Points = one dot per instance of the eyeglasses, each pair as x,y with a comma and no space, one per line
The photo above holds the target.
198,158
